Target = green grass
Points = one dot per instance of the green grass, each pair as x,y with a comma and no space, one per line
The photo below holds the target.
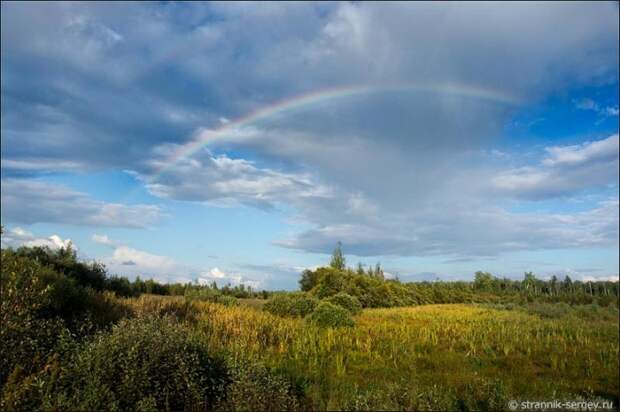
427,357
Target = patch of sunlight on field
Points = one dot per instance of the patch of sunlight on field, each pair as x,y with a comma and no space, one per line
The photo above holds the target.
439,350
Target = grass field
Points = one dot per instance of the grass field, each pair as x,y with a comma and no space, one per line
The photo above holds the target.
427,357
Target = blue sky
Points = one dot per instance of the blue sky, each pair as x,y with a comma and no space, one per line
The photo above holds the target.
435,138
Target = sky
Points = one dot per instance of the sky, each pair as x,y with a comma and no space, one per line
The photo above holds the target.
239,142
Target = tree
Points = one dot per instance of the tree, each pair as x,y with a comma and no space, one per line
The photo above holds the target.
379,271
338,261
308,280
483,280
360,269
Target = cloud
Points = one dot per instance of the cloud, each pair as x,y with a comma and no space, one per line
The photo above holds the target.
565,171
591,105
103,240
30,201
17,237
221,277
132,262
386,172
145,74
205,177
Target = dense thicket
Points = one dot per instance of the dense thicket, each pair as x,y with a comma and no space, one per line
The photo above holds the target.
69,343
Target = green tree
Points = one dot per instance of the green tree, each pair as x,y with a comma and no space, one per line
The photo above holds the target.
338,261
483,280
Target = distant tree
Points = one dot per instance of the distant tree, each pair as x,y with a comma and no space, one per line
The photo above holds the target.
530,282
360,268
338,261
379,271
483,280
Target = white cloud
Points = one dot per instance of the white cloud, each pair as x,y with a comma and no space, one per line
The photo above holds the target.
601,150
221,277
103,240
205,177
17,237
566,171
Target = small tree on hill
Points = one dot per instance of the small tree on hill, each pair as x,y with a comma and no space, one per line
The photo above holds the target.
338,261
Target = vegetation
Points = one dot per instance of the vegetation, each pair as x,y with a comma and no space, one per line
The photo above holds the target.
291,304
74,338
346,301
328,314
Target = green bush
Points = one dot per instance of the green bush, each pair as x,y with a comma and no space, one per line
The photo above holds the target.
256,388
144,363
227,300
27,337
291,304
328,314
350,303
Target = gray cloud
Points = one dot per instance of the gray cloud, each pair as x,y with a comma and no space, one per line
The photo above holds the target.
95,87
30,201
388,172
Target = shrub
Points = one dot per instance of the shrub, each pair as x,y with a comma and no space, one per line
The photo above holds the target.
256,388
147,362
292,304
330,281
328,314
27,337
350,303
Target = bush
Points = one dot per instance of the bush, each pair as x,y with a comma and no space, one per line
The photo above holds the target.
27,337
292,304
256,388
350,303
328,314
330,281
145,363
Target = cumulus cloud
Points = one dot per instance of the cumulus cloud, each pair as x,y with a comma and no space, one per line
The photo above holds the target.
205,177
566,170
386,172
17,237
132,262
30,201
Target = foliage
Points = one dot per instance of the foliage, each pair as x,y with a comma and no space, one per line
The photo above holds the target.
291,304
338,261
27,337
350,303
149,361
255,388
432,357
328,314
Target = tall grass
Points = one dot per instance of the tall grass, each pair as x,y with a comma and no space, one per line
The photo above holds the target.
428,357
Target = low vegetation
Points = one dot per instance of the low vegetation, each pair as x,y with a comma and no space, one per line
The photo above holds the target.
74,338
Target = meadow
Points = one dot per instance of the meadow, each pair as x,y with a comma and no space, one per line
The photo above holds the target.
432,357
74,338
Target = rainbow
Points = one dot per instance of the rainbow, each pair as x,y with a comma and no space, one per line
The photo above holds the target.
202,138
